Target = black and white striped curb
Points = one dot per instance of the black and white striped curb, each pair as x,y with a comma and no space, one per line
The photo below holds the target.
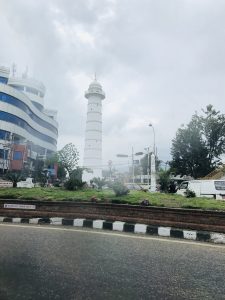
204,236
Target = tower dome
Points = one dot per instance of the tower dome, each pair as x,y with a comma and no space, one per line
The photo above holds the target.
95,88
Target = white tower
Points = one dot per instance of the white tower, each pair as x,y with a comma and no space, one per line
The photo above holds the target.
93,133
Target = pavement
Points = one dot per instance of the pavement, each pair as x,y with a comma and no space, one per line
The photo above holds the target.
44,262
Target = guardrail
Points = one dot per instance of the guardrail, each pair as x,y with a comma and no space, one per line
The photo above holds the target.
173,217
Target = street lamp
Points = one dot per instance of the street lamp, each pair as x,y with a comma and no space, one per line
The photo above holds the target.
150,125
153,175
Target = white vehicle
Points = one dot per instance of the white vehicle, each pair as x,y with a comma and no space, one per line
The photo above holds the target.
204,188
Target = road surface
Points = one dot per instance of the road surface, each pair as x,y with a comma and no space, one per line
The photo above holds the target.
46,262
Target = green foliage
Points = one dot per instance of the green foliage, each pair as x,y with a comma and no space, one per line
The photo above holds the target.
38,174
15,177
134,197
197,148
75,180
120,189
164,180
77,173
73,184
99,182
190,194
61,172
68,156
213,130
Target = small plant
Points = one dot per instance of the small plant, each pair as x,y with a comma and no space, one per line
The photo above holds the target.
94,199
120,189
190,194
145,202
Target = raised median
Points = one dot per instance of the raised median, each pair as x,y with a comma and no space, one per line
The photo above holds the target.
172,217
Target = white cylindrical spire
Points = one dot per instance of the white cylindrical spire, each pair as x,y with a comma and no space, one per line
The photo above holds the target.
93,133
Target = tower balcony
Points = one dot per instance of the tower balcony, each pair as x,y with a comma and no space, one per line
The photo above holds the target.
92,92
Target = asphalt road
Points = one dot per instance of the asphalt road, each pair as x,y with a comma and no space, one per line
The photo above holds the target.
40,262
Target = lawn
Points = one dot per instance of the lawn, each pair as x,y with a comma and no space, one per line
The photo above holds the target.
134,197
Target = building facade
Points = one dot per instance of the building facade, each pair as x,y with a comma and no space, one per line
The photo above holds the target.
93,133
28,131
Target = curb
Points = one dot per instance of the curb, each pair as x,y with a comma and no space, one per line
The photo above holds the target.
203,236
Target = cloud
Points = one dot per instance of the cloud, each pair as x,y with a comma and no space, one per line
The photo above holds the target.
158,61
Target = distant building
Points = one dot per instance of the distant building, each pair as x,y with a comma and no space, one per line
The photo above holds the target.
93,134
28,131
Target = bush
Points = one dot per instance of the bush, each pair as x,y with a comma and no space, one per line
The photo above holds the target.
73,184
99,182
145,202
190,194
120,189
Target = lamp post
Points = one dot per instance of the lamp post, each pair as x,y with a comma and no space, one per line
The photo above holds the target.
150,125
153,155
148,165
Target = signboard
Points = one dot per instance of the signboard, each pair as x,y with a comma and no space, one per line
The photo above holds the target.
19,206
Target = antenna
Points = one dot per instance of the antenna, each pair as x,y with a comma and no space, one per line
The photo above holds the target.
95,78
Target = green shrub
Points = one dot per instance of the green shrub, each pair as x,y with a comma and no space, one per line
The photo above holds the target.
99,182
190,194
120,189
73,184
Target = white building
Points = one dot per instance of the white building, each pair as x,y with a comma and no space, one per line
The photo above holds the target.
27,129
93,134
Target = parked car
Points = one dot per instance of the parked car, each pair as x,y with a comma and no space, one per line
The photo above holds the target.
204,188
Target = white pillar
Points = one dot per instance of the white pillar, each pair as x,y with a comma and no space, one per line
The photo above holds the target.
93,133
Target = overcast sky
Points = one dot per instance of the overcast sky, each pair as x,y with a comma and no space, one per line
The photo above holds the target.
158,61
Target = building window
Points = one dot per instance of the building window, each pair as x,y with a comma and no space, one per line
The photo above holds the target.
4,154
17,155
3,80
4,135
4,116
21,105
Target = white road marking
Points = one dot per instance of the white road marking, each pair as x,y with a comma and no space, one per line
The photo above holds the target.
113,233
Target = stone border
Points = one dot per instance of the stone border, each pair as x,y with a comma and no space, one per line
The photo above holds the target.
203,236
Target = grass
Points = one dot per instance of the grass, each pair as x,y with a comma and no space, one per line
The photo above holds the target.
134,197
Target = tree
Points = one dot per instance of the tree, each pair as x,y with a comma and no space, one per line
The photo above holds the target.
14,177
197,148
68,156
164,180
213,131
37,173
51,161
77,173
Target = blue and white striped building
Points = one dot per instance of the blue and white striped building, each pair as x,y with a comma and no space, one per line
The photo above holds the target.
24,119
